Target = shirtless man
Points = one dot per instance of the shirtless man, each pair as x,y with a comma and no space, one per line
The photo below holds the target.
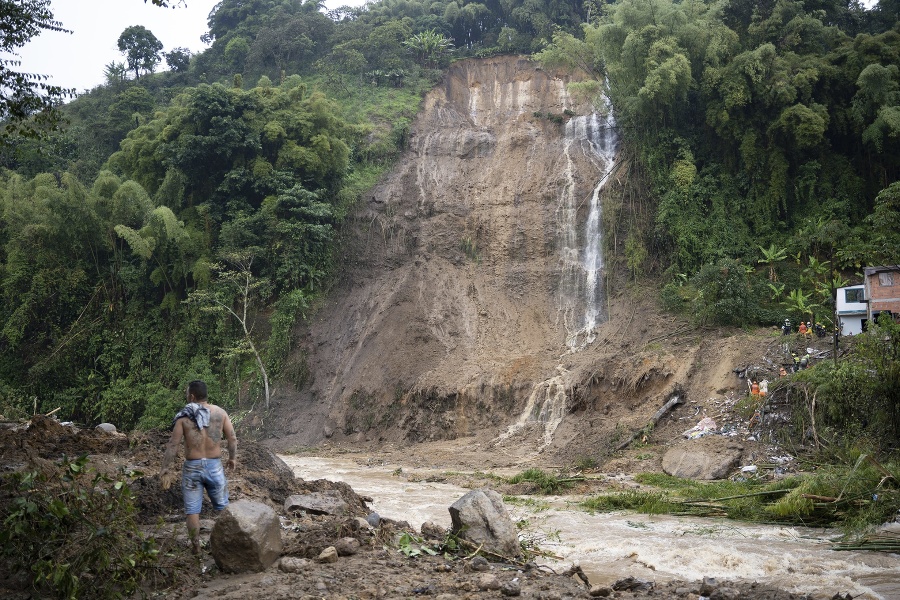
202,426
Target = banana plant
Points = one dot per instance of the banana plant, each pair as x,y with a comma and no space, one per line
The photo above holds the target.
771,256
777,290
800,303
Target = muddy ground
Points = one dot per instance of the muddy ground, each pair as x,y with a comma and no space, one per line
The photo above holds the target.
379,570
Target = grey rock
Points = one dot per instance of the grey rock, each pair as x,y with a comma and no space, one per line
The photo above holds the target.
328,502
632,584
475,144
246,537
480,518
703,459
488,581
293,564
479,563
725,593
107,427
511,588
328,555
600,591
359,524
708,586
374,519
433,531
347,546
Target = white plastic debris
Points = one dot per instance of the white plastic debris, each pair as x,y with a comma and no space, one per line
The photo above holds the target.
704,427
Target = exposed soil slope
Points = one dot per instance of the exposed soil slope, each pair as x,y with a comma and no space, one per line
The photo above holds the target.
447,322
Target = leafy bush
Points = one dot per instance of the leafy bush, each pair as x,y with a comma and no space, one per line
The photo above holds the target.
74,532
860,396
725,294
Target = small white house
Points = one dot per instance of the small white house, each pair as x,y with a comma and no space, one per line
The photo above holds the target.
851,309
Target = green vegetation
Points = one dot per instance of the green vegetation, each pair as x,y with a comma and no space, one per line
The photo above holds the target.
74,532
850,401
123,235
26,102
181,221
854,495
411,546
548,484
788,178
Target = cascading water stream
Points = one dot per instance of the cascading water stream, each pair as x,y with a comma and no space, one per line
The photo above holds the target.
582,296
581,293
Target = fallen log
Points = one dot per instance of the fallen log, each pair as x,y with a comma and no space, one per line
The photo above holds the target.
674,401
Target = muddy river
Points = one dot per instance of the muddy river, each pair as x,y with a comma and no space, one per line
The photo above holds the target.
609,546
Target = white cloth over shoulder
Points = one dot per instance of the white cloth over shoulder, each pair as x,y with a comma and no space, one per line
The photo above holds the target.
196,413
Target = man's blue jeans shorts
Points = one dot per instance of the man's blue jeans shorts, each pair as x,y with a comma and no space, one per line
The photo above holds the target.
200,474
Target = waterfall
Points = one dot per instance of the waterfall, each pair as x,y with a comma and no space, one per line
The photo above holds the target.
581,296
581,291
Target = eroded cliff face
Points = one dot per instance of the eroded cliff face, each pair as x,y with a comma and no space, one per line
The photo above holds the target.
450,308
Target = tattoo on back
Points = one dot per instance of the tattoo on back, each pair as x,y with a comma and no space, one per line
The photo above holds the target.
215,426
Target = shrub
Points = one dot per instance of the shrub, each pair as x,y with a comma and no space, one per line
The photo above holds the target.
74,532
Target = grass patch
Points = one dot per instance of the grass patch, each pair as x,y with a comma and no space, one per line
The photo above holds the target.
854,497
585,464
532,503
548,484
475,475
651,503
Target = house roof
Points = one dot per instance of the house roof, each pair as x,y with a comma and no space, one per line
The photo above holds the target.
882,269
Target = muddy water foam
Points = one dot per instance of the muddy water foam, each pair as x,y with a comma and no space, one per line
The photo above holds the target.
610,546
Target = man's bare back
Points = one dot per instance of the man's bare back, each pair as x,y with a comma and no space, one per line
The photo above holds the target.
206,442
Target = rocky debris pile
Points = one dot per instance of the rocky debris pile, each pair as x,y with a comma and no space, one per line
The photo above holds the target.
385,573
350,552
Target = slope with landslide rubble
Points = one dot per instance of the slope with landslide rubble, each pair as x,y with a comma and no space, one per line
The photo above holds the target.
459,308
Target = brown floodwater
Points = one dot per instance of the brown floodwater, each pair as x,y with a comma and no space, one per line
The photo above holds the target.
609,546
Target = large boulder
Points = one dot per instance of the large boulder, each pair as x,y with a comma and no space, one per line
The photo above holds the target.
709,457
329,502
480,517
246,537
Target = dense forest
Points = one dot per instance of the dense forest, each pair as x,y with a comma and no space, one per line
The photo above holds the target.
167,212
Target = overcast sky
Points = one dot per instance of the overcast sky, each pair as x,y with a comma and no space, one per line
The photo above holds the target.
77,60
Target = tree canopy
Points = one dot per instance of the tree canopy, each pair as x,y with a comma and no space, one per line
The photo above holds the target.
27,101
141,49
750,124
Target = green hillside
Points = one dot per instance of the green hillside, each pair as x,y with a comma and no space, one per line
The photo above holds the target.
174,225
